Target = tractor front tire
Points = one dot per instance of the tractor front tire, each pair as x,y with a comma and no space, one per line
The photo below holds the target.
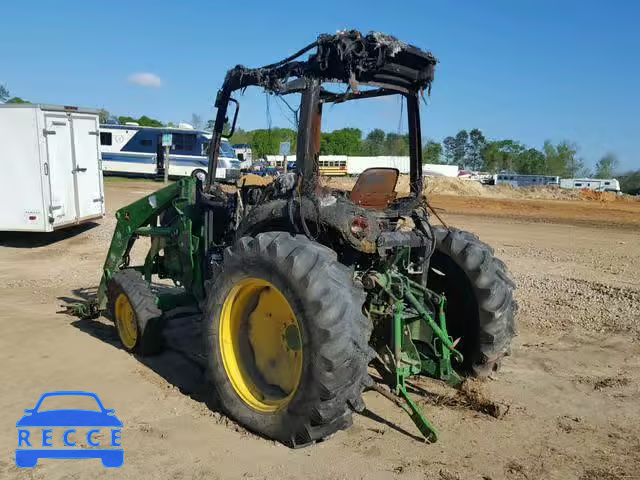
481,307
132,306
287,342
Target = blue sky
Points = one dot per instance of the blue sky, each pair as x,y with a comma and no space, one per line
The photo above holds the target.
528,70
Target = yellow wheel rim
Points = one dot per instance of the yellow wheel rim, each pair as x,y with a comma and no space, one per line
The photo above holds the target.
126,321
261,345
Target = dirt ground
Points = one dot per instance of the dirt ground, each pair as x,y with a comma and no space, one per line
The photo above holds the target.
569,393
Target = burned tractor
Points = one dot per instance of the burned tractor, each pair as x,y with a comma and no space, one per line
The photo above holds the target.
303,289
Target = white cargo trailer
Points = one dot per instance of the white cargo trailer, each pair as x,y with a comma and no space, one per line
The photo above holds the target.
50,175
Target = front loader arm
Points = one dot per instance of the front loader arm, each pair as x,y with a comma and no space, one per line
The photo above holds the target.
137,219
130,218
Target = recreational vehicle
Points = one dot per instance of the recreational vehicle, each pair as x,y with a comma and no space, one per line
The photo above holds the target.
50,162
597,184
135,150
517,180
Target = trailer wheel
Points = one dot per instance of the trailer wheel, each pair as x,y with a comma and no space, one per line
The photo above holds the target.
132,306
287,343
480,305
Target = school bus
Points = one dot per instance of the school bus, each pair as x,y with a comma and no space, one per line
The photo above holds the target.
332,167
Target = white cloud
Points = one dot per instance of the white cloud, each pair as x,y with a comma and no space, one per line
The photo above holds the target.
145,79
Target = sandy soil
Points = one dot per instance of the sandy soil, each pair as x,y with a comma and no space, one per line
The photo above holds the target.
624,214
570,390
542,204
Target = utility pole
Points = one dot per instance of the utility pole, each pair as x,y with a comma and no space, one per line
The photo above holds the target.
167,141
167,150
285,148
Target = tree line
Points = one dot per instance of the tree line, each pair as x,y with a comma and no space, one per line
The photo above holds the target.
469,150
473,151
345,141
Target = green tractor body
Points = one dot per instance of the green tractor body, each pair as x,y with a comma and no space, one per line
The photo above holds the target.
301,287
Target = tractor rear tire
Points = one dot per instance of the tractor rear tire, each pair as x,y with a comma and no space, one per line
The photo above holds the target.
325,306
132,306
481,307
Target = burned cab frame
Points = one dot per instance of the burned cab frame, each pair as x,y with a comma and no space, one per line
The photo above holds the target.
376,60
371,65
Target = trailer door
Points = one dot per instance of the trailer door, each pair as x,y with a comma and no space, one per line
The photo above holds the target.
90,200
60,167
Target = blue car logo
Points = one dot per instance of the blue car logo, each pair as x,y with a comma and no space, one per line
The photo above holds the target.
32,447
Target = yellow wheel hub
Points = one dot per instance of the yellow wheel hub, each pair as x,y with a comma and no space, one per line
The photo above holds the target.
261,345
126,321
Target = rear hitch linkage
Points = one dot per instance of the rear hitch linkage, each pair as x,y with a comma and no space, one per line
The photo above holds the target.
405,360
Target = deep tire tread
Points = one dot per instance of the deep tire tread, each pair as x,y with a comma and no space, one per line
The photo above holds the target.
339,347
493,290
148,315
